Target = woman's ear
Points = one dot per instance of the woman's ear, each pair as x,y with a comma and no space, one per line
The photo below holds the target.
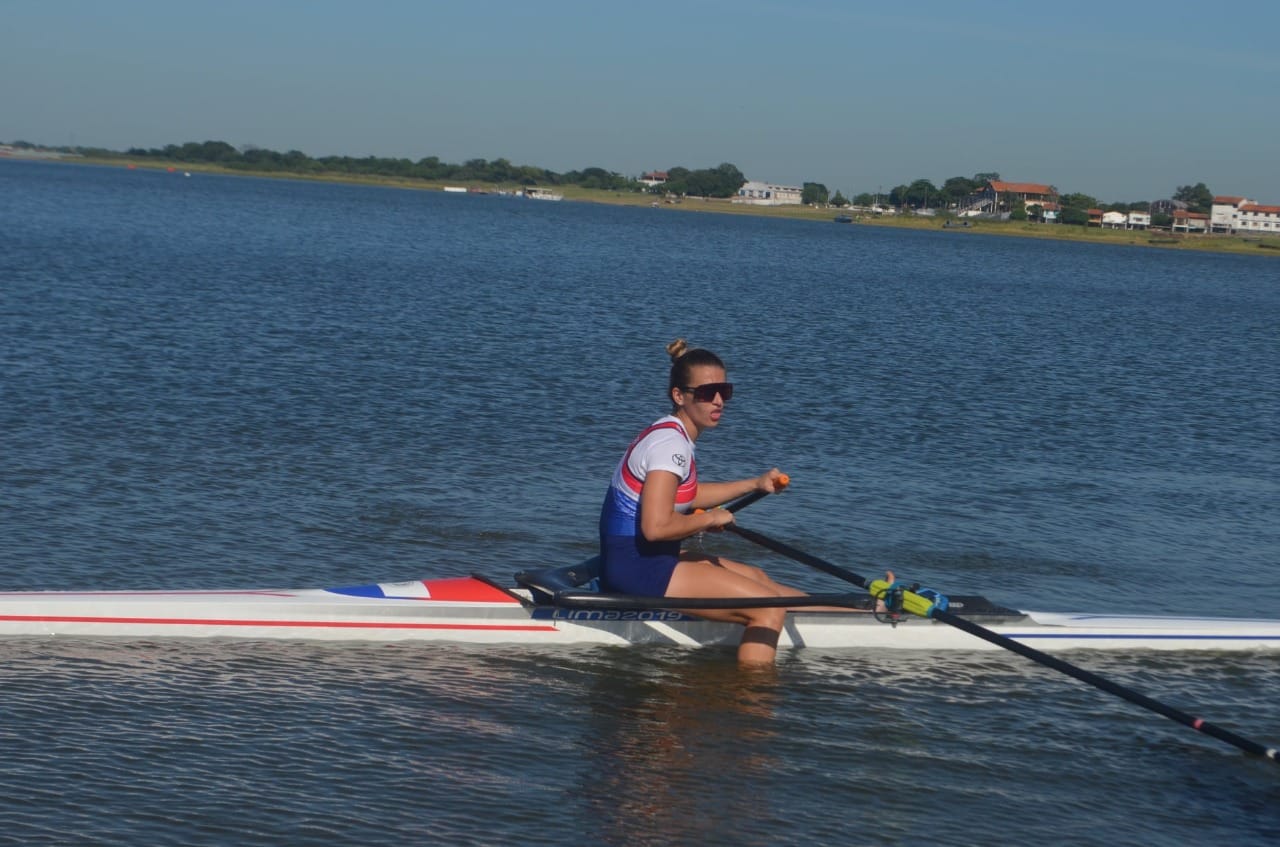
677,397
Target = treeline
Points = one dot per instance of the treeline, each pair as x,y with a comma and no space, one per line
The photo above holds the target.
429,169
722,181
923,194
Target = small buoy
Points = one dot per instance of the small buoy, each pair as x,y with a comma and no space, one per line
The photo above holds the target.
186,173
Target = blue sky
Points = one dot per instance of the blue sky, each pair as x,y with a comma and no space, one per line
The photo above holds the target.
1124,101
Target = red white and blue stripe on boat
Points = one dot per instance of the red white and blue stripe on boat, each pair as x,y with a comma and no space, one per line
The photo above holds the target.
459,590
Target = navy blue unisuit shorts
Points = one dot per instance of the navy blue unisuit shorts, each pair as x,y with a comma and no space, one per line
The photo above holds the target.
633,565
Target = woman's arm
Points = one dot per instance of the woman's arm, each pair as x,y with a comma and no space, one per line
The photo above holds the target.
712,494
659,520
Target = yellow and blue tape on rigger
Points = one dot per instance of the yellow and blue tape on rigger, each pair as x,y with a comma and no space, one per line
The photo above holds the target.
915,600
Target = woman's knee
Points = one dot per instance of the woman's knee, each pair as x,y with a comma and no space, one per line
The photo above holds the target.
766,618
758,575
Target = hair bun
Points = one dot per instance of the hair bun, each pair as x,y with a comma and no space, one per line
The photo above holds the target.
677,348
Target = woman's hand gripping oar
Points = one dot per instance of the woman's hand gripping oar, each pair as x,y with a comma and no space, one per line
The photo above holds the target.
935,608
741,503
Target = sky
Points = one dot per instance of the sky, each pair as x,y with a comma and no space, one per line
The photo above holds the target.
1121,101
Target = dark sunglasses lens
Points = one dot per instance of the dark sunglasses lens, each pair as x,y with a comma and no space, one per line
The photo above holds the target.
707,393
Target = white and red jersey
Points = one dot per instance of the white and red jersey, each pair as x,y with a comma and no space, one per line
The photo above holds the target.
662,446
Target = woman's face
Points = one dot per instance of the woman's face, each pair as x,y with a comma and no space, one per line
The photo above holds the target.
703,414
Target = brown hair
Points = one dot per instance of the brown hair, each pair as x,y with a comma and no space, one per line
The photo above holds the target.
684,359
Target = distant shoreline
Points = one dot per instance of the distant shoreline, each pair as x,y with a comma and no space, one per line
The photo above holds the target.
1157,240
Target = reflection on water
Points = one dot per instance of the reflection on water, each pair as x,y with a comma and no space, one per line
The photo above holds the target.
678,747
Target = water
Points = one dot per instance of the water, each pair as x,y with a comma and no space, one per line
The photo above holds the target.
233,382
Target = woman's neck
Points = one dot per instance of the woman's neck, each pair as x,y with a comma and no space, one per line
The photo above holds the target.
689,428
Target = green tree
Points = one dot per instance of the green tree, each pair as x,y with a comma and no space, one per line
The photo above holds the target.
814,193
429,168
839,200
599,178
296,160
730,178
955,189
1198,197
920,192
1078,201
1074,215
218,151
721,181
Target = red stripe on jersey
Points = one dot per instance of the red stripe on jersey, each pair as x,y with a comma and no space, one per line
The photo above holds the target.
687,489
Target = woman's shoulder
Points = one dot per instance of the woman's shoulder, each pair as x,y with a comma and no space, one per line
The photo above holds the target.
667,425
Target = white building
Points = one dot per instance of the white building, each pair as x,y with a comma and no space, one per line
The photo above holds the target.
768,194
1185,221
1224,216
1126,220
1114,220
1255,217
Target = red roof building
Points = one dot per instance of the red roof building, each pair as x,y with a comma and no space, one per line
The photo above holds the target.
999,196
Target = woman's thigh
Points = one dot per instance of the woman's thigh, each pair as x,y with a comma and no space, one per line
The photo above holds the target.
715,577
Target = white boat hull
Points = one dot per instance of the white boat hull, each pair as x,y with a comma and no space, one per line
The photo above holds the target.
469,610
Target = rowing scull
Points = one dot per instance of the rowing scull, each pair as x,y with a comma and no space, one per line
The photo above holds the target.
478,610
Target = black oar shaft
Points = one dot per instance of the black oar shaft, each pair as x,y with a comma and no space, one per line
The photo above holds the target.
1107,685
799,555
978,631
745,501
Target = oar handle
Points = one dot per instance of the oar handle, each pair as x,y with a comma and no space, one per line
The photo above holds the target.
746,500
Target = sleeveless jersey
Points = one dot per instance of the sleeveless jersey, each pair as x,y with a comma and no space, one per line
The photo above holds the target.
662,446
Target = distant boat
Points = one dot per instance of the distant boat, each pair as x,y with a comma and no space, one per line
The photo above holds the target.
843,219
455,189
537,193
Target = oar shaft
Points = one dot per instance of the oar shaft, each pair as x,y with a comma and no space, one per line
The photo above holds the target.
745,501
598,600
1107,685
799,555
1031,653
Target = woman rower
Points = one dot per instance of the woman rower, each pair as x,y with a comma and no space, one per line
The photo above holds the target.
655,501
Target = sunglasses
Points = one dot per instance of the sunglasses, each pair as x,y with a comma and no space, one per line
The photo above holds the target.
707,393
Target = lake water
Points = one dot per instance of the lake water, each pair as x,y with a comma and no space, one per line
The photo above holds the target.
214,382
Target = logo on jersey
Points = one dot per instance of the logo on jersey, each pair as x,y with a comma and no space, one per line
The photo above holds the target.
678,458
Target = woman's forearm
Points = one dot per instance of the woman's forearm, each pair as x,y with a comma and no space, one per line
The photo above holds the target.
712,494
